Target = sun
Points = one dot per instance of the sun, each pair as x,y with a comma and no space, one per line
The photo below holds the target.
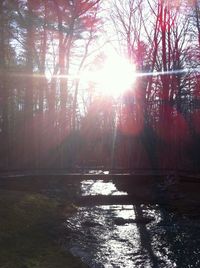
114,77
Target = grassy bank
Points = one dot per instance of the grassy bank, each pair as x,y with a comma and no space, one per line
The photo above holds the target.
29,231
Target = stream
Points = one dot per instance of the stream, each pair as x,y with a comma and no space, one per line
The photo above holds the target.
131,235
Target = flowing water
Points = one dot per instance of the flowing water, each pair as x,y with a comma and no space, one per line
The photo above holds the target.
131,235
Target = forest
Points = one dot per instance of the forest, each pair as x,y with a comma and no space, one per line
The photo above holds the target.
54,114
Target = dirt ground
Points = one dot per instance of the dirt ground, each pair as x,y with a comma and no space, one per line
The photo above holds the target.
30,230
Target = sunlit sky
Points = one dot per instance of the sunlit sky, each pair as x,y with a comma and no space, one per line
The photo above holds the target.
115,75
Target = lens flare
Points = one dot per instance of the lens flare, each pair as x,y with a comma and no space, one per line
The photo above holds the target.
113,78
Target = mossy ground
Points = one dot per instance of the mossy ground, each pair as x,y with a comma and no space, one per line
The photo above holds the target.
28,224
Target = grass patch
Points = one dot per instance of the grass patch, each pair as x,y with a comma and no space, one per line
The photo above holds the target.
28,231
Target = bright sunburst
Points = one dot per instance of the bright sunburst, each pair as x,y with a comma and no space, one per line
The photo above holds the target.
115,76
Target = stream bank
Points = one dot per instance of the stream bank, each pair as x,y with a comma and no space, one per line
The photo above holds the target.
30,228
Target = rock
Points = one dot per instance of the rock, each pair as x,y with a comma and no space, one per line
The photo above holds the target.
122,221
90,224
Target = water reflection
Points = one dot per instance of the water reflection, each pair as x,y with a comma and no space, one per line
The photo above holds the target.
91,187
96,237
105,244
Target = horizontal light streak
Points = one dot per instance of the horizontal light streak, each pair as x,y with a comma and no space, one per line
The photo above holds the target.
136,74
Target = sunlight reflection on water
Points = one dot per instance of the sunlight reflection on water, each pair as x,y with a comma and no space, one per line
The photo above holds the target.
99,241
90,187
106,244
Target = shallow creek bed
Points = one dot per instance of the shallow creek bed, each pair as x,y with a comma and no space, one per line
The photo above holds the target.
137,235
44,225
